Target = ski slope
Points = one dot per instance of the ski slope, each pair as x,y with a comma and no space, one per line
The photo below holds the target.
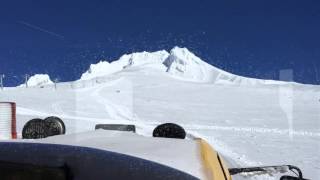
249,121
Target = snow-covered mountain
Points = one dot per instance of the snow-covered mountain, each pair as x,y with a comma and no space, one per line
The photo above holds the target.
179,63
38,80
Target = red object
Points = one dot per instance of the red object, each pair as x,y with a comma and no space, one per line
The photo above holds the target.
13,119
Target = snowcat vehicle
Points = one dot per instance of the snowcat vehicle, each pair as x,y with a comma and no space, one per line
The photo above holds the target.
116,152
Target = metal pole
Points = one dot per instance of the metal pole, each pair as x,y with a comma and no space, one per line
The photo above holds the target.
1,80
26,80
55,83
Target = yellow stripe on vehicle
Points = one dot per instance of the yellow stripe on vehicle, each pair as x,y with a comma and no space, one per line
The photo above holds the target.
214,166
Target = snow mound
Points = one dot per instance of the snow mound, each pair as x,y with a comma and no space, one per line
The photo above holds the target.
38,80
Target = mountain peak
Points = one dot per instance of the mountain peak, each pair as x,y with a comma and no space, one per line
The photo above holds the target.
184,64
181,52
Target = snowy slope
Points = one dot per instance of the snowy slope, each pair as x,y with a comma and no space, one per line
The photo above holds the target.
250,122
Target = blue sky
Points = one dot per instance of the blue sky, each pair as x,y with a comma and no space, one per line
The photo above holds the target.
250,38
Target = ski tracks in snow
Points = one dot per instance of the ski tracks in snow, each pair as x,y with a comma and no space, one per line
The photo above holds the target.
115,112
254,130
57,107
232,157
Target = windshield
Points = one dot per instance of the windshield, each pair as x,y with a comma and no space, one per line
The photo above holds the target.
243,76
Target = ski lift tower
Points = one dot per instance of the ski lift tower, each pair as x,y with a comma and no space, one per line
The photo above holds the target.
2,76
55,81
26,79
